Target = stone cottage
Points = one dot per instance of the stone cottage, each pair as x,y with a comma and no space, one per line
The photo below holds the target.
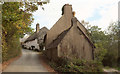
37,38
68,38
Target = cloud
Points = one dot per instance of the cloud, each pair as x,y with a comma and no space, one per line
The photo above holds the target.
109,14
88,10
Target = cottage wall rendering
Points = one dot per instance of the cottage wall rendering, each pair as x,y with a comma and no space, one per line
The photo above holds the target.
68,38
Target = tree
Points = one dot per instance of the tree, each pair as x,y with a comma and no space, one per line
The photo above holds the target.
106,43
112,47
16,18
99,39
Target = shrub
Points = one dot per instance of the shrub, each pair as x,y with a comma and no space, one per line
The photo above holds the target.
75,65
11,48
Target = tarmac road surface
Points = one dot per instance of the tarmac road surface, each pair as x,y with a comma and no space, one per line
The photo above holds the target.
28,62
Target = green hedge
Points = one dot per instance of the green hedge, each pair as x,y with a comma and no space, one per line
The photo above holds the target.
10,48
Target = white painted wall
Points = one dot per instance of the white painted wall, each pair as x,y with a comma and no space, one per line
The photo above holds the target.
32,43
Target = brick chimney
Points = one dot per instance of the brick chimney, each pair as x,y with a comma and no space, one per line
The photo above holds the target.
37,27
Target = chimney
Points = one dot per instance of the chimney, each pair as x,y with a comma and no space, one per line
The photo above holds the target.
67,13
37,27
67,10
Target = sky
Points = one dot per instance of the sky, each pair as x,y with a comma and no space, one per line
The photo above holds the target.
97,12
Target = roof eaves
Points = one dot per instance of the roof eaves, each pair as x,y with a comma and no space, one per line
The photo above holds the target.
86,37
54,43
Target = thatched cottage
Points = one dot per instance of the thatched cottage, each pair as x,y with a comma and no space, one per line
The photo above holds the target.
24,38
68,38
37,38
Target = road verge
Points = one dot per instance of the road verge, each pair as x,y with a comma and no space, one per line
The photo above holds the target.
6,63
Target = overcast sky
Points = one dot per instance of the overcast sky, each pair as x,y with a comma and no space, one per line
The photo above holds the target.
96,12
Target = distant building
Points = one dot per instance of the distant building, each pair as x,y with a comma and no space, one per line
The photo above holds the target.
68,38
37,38
24,38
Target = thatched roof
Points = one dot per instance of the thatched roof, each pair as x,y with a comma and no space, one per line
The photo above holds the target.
58,39
35,35
43,31
86,37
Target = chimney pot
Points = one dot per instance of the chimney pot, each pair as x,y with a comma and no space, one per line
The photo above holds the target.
73,13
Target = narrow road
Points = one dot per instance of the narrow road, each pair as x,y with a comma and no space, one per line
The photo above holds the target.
28,62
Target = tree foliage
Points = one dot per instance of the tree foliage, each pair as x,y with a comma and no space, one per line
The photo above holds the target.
106,43
111,57
16,20
99,39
